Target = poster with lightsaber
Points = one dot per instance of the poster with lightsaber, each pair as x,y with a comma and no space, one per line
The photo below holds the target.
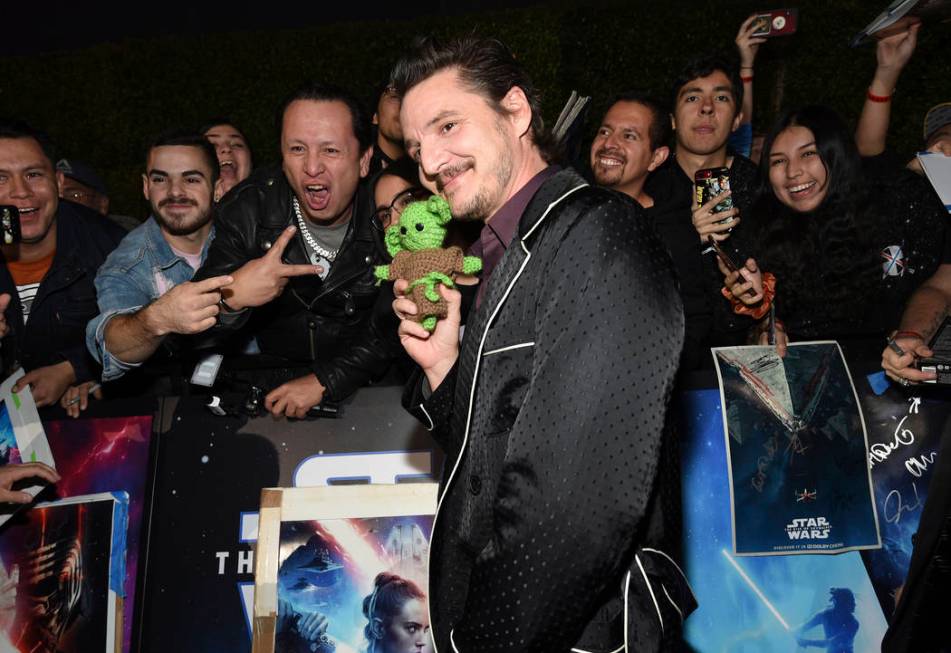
797,451
759,604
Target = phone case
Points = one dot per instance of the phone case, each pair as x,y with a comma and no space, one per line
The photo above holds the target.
778,22
709,183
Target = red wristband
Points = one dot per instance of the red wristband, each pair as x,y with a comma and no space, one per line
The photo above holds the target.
878,98
908,334
746,80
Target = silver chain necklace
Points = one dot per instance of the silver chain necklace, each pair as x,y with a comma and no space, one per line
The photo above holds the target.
329,254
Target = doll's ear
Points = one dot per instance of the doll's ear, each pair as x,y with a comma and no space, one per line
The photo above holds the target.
392,240
439,208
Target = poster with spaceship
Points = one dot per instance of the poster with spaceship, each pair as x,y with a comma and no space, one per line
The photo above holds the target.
61,573
344,569
758,604
797,451
22,439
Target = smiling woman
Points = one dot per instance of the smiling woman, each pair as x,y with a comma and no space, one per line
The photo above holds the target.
848,239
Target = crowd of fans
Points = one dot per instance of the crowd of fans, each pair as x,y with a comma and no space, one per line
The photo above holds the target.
834,237
264,277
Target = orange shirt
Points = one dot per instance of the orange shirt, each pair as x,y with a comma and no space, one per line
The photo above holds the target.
32,272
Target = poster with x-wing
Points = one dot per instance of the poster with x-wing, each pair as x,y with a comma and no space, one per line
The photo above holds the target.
797,451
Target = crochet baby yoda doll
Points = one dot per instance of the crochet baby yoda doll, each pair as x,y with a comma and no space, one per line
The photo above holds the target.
418,256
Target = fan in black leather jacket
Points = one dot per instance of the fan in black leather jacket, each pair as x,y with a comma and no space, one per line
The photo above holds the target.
313,321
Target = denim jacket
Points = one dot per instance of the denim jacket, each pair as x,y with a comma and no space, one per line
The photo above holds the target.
140,270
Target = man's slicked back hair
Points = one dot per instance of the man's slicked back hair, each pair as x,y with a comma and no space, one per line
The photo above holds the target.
485,66
320,92
186,138
704,67
659,131
19,129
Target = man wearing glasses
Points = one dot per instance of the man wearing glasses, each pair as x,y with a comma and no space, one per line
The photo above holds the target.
298,242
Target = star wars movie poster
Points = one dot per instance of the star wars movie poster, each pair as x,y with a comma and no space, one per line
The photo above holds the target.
354,586
904,434
759,604
105,455
797,451
57,567
21,436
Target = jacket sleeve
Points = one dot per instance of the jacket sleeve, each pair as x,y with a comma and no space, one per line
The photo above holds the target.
116,294
580,461
228,252
367,356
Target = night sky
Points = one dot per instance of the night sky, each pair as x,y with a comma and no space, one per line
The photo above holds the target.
66,24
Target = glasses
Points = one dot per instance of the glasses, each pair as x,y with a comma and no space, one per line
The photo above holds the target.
383,216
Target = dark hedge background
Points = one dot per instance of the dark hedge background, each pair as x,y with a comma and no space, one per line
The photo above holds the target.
103,103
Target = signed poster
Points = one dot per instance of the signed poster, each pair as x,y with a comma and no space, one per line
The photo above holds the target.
797,451
758,604
904,434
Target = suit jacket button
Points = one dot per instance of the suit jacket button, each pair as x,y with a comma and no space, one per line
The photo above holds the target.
475,484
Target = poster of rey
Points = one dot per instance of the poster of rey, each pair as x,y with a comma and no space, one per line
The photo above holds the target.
343,569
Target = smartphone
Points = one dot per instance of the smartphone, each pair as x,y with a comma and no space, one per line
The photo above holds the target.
710,182
728,262
778,22
10,224
940,361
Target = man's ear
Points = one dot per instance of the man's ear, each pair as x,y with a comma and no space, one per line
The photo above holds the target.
376,118
516,105
365,162
658,157
145,186
219,190
60,180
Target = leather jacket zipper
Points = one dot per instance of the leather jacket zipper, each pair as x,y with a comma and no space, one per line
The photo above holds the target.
312,328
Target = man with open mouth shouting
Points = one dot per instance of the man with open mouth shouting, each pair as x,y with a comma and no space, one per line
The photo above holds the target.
298,242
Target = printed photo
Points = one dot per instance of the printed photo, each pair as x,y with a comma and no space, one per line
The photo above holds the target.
354,586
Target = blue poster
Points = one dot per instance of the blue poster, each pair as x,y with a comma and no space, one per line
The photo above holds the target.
797,452
904,434
769,604
354,585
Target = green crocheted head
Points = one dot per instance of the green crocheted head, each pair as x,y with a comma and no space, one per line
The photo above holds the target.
422,225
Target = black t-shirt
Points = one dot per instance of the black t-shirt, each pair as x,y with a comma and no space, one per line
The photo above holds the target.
710,321
905,224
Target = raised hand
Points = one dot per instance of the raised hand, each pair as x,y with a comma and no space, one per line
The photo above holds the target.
261,280
190,307
709,223
435,352
747,44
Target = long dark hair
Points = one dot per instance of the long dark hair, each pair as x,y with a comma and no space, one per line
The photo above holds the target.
824,257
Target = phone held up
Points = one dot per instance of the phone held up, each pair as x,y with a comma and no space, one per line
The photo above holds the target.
778,22
710,182
10,224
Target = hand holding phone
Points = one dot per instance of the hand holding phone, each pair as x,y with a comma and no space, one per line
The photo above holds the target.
778,22
10,225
